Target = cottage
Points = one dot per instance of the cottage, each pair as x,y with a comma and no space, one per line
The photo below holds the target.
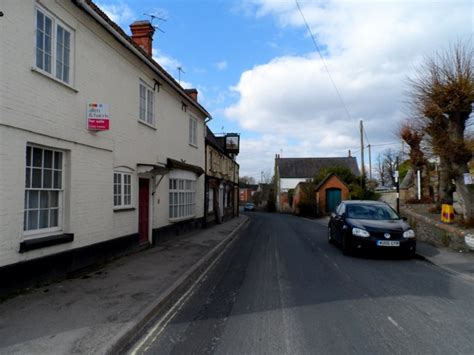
291,171
222,178
100,148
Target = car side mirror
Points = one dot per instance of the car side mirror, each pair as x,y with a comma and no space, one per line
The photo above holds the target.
405,219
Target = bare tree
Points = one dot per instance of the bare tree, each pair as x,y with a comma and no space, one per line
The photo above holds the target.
247,180
442,95
386,167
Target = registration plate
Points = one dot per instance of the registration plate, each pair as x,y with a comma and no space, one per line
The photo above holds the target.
388,243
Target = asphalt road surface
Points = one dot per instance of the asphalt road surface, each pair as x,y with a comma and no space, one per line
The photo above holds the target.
282,289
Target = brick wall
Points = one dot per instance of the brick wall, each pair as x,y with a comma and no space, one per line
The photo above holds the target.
332,182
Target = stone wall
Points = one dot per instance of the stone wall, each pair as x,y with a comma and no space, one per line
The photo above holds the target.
435,233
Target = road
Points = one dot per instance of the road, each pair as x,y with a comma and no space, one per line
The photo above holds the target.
282,289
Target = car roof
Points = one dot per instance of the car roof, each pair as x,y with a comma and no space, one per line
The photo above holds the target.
363,202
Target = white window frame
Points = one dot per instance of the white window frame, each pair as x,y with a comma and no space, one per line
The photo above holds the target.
56,23
29,173
182,198
193,131
146,109
119,190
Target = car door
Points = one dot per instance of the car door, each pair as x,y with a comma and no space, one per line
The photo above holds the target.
338,221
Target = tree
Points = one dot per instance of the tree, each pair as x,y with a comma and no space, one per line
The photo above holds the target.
442,95
342,172
414,138
386,167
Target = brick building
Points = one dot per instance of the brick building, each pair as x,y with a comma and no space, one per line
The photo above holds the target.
289,172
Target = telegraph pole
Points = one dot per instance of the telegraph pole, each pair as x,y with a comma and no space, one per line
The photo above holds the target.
362,151
370,165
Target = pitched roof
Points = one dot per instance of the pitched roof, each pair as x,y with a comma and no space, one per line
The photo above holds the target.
120,34
307,168
321,184
212,140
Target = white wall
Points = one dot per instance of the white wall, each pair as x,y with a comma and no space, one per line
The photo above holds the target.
286,184
37,109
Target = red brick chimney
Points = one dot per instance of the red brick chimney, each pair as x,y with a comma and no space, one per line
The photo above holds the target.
142,34
193,93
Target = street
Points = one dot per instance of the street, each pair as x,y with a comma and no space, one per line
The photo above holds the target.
282,289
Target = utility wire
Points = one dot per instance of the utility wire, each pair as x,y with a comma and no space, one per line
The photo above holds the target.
322,59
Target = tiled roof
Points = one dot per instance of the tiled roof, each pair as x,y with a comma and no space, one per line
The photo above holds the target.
156,66
212,140
307,168
321,184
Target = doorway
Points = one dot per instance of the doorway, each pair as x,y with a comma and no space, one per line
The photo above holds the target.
143,210
333,199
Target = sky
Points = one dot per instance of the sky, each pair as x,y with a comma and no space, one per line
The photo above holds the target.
259,74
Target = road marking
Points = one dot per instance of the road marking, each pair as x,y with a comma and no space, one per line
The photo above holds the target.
169,315
395,324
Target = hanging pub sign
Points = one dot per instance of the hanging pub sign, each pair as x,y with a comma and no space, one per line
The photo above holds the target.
232,143
98,118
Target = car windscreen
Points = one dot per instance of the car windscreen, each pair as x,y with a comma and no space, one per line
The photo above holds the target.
374,212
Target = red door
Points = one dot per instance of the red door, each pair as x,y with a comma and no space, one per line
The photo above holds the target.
143,209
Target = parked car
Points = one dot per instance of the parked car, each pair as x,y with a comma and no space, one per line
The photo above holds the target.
370,225
249,207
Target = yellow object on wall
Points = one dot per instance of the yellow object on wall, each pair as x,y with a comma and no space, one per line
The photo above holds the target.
447,213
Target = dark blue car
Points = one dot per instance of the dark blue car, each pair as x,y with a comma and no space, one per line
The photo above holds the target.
370,225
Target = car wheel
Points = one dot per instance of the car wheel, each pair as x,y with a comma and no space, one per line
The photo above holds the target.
410,254
346,249
330,238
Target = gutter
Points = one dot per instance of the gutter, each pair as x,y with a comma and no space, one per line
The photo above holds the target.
120,38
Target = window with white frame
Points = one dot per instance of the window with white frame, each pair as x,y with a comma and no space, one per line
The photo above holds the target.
122,190
54,43
43,190
182,203
146,104
210,206
192,130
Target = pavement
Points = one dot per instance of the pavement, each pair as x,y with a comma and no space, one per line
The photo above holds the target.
460,263
103,310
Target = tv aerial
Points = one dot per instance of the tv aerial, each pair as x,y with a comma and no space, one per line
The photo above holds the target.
155,17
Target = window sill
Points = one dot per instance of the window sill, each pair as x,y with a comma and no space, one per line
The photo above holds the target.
49,76
147,124
124,209
43,242
194,145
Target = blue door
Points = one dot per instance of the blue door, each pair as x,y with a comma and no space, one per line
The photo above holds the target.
333,199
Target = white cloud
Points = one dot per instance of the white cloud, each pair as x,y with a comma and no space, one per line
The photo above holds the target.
371,48
222,65
167,62
119,12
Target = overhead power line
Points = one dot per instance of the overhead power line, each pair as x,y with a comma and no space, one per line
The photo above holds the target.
323,61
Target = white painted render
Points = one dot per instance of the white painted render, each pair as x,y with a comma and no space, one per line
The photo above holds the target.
286,183
37,109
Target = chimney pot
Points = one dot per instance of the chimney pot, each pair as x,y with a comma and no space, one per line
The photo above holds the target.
142,35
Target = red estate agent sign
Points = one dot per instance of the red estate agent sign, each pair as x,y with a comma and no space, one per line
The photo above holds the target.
98,117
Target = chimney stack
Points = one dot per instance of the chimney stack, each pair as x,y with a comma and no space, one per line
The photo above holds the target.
142,34
193,93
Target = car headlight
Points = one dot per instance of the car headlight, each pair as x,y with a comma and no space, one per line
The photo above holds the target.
409,234
360,232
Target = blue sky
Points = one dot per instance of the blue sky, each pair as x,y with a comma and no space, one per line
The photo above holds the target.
258,73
